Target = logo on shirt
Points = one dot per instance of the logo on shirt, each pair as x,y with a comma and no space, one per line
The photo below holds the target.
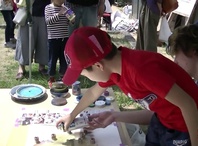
146,101
180,142
68,60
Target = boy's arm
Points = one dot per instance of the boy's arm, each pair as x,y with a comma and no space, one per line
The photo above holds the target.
102,120
51,18
88,98
188,107
142,117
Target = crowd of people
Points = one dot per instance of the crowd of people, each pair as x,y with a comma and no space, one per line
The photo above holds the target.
166,89
48,18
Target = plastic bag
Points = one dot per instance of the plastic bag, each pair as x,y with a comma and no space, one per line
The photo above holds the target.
20,16
164,31
137,136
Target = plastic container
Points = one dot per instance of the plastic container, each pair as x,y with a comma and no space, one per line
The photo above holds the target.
70,15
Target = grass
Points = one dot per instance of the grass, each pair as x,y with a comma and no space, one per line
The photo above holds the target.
9,68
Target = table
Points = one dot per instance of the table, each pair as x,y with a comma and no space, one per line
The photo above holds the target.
9,110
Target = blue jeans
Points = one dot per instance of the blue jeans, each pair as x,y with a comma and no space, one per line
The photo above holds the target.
85,15
56,51
8,16
159,135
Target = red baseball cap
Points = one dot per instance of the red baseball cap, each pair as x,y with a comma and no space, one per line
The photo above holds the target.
85,46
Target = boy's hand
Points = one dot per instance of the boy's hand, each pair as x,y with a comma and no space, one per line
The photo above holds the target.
62,11
67,120
100,120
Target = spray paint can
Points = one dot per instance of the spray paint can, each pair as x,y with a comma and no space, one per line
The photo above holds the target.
76,89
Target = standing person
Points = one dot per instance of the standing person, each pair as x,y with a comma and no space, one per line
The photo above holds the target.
163,88
7,10
150,13
57,28
87,12
39,40
106,17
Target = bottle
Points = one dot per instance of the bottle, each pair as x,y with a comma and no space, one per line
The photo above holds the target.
76,89
70,15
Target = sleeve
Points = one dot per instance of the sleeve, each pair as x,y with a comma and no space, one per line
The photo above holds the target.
50,18
106,84
157,79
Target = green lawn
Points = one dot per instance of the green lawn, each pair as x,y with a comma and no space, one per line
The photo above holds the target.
9,67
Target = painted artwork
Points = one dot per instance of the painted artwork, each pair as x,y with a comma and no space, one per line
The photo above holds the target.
43,132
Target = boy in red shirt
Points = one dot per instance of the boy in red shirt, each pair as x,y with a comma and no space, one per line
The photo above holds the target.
167,92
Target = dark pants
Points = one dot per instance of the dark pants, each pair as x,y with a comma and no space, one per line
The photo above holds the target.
147,30
112,2
8,16
56,51
159,135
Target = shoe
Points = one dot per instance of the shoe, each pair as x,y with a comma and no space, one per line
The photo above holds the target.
43,72
20,75
13,40
10,45
50,81
60,79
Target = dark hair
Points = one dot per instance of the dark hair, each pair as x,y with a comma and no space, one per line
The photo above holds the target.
108,56
185,39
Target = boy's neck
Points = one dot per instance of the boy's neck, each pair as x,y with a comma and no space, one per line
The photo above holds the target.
57,5
116,63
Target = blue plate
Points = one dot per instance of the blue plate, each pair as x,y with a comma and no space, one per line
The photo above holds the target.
29,91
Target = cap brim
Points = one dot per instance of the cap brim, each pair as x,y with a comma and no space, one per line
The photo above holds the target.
71,76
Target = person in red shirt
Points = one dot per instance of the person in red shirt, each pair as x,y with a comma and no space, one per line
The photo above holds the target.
164,89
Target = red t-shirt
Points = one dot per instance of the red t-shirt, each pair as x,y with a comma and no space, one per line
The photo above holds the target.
147,77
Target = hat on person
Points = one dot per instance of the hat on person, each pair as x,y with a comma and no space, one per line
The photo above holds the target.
85,46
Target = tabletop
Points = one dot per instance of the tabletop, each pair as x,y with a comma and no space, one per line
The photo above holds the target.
9,110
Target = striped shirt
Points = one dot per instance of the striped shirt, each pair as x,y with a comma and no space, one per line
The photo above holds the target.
57,25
